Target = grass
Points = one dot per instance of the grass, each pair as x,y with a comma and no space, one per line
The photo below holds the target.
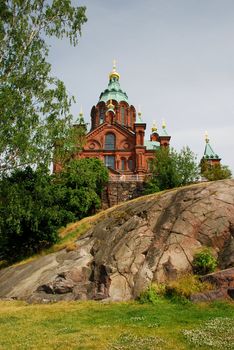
116,326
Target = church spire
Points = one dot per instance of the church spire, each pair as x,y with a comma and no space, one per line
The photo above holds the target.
164,130
209,153
154,127
114,73
139,116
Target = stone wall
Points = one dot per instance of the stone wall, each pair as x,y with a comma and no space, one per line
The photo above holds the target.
120,191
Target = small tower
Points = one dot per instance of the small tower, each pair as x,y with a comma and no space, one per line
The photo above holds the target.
139,128
209,155
164,138
154,135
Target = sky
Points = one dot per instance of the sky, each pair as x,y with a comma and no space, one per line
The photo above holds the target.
175,59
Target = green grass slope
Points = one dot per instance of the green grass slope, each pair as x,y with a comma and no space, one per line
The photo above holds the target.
117,326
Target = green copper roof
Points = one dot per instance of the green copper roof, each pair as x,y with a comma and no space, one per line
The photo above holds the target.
151,145
209,152
113,92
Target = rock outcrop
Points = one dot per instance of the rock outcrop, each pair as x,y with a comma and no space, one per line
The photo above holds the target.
223,286
153,238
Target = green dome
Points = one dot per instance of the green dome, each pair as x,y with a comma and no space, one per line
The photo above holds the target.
113,92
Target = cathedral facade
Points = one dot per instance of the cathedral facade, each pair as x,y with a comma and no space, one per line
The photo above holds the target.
117,134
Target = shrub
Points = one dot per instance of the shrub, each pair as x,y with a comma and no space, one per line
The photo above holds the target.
204,262
152,294
182,288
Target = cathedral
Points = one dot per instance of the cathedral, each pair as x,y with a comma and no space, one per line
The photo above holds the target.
117,134
117,138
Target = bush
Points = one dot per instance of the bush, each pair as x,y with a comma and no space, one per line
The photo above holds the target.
152,294
204,262
178,290
214,172
182,288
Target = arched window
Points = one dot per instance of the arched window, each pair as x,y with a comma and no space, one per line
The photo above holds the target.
131,118
122,164
110,142
130,164
122,115
110,161
102,115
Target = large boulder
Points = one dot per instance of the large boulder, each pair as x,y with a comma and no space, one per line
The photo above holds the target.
153,238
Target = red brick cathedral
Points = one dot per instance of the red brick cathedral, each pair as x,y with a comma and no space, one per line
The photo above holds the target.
117,134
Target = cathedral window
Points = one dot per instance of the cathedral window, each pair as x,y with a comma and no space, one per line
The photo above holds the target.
122,164
122,115
102,115
131,119
110,142
130,164
110,161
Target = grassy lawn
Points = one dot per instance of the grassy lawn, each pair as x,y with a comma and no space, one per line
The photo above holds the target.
116,326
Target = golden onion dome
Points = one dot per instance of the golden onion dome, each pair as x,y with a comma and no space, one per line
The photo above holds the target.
114,73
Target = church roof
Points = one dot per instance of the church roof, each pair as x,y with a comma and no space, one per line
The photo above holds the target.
209,152
151,145
113,91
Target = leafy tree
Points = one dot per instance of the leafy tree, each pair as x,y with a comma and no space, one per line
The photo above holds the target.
29,214
34,105
34,204
213,172
172,169
82,181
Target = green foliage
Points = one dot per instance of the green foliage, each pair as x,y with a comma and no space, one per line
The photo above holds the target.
204,262
172,169
183,287
178,290
213,172
79,186
150,295
34,105
34,204
29,215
